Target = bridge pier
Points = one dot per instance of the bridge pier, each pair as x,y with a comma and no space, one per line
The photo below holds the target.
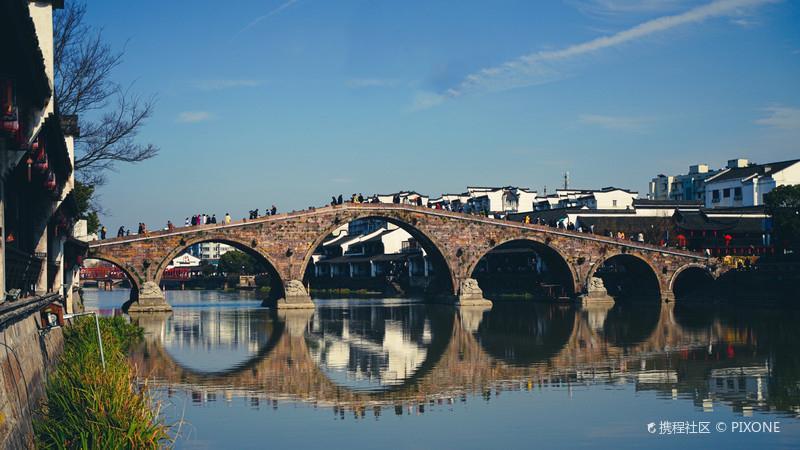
150,299
667,296
470,294
295,297
596,294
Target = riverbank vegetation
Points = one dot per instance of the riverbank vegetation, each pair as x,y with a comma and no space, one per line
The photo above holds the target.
91,407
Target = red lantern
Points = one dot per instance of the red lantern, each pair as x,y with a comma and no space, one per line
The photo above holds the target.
50,184
41,157
728,239
8,109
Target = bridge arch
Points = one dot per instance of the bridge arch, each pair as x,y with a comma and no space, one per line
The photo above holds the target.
633,264
133,277
429,242
550,253
690,278
276,280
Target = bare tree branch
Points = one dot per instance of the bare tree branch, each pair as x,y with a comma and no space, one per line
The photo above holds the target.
84,64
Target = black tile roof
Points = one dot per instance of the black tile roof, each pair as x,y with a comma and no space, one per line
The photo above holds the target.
743,173
700,221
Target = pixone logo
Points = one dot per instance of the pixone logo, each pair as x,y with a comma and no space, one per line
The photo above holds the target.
651,427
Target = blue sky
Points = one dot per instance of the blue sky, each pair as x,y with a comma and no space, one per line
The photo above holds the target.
289,102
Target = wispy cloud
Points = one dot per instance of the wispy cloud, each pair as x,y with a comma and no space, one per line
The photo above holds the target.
618,7
283,6
357,83
618,123
216,85
194,116
426,100
547,65
781,117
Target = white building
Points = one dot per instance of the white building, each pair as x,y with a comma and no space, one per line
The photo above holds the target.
743,183
404,198
185,260
210,251
453,202
609,198
500,200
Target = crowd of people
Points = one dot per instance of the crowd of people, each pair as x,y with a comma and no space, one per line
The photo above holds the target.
267,212
195,220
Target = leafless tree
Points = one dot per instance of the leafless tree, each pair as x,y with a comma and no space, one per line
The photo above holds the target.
110,116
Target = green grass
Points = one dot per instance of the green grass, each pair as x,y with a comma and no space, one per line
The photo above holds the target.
91,408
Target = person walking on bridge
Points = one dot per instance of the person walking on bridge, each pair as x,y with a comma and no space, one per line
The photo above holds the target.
213,218
121,231
103,232
273,210
170,226
186,222
227,218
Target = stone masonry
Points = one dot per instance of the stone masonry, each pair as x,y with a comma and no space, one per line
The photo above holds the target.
457,241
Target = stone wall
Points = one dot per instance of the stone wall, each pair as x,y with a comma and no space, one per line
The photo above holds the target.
26,357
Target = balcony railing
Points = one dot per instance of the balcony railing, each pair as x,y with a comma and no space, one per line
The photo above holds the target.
22,271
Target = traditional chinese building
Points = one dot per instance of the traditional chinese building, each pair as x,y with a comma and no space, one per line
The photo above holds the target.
37,204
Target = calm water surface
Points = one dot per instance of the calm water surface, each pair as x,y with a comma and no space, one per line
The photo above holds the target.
395,373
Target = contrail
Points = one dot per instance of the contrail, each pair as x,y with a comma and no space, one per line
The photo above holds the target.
260,19
538,67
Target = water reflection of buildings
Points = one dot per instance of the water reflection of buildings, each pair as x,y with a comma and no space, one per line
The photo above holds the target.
389,359
418,357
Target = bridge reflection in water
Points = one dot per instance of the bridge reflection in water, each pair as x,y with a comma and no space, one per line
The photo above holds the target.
392,353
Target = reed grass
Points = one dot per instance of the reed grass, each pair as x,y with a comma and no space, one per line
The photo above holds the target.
88,407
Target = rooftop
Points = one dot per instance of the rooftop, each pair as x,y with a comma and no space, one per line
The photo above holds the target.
745,173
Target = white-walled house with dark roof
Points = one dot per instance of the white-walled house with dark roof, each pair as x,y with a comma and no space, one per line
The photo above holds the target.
744,184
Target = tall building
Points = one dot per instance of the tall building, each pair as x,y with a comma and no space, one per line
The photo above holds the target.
210,251
689,186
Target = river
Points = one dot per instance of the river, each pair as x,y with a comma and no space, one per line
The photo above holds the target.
399,373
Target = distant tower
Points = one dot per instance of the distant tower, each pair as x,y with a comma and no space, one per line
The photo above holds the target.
545,190
566,180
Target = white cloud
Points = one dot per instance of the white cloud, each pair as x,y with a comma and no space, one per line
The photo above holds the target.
618,123
194,116
372,82
782,117
215,85
544,66
425,100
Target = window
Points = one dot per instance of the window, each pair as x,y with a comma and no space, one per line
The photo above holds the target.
737,193
715,196
613,203
726,193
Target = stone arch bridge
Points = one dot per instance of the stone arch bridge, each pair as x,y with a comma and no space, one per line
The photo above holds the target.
454,241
